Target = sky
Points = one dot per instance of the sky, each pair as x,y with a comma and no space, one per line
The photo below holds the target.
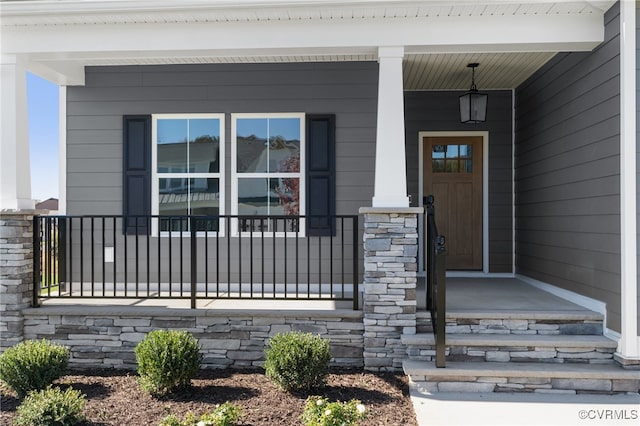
42,104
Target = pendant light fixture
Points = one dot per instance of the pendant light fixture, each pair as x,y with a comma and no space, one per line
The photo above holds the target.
473,104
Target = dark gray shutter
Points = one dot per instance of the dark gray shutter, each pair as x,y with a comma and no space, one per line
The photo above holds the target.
321,174
136,183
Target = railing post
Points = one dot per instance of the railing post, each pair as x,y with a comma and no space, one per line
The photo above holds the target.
436,281
37,261
62,254
441,301
356,295
430,216
194,261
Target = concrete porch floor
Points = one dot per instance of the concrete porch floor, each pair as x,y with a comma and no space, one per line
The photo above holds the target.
499,296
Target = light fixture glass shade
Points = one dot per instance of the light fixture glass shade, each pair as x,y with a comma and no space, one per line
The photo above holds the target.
473,107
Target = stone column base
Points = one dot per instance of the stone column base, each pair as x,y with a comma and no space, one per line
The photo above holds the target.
16,273
390,267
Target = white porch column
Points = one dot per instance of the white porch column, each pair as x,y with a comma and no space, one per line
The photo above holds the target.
15,171
629,345
391,170
62,150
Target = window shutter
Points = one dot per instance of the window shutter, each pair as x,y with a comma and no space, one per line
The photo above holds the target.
136,200
321,176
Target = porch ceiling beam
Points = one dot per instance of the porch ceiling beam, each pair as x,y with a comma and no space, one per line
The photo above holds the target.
84,7
569,30
418,35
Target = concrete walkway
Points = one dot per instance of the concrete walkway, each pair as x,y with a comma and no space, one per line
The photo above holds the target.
514,409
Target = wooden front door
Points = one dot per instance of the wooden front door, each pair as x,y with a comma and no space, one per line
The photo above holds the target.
453,175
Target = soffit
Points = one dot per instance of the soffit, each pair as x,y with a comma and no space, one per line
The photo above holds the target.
421,72
97,12
450,72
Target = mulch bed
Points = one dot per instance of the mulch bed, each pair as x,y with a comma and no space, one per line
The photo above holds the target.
114,397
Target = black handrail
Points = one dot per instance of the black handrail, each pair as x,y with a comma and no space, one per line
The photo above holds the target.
436,281
187,257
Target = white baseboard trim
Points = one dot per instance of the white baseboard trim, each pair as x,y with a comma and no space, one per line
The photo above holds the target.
578,299
479,274
613,335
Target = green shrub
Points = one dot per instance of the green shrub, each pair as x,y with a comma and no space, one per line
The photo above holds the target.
226,414
33,365
170,420
51,407
298,361
319,411
167,360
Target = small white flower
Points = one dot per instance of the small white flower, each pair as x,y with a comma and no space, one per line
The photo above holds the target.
201,423
360,408
319,402
327,413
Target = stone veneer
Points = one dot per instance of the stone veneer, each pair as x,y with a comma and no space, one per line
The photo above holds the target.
389,301
16,273
105,336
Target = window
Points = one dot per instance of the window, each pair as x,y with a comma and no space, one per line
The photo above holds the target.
188,171
452,158
268,170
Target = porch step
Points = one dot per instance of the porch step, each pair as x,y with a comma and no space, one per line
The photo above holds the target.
590,349
522,377
582,322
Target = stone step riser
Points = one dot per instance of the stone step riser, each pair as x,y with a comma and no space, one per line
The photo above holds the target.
558,355
515,326
524,385
542,327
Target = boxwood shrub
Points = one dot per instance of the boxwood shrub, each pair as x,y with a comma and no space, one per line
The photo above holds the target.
298,361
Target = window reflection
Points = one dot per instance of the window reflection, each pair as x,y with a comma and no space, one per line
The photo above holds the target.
268,145
452,158
185,147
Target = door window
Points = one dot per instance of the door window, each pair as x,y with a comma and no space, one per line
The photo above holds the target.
452,158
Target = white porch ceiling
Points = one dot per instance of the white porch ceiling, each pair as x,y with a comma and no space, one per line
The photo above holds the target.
449,71
61,37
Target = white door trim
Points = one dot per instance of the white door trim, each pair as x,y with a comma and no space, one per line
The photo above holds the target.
485,186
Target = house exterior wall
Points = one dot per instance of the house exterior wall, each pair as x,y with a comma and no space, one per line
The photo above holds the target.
567,160
94,124
439,111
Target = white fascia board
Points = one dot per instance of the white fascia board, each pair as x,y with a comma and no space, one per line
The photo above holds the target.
558,32
38,7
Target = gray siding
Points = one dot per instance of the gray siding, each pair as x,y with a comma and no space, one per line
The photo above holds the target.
94,123
439,111
94,126
568,175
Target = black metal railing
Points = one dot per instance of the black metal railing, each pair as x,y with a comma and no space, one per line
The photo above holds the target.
436,281
196,257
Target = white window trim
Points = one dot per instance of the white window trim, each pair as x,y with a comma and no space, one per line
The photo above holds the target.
155,176
234,173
